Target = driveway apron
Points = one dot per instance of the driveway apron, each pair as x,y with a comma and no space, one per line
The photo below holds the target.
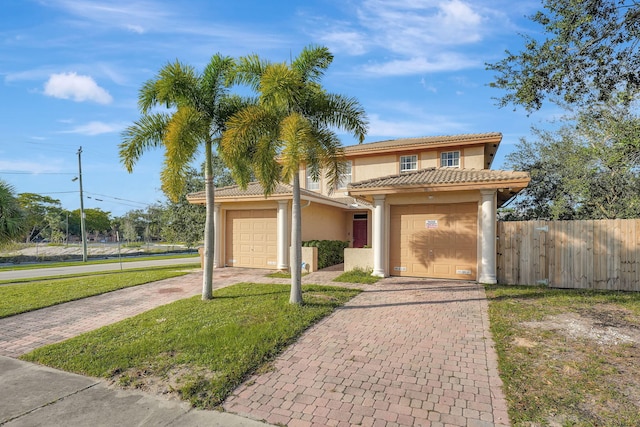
405,352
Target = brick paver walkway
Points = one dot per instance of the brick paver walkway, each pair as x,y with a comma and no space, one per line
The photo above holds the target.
406,352
25,332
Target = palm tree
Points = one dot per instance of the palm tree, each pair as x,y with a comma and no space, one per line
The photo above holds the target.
198,105
11,216
291,125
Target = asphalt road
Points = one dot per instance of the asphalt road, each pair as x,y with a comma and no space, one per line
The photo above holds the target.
90,268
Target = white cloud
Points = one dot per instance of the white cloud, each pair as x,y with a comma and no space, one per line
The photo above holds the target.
30,166
420,126
77,87
96,128
416,65
420,35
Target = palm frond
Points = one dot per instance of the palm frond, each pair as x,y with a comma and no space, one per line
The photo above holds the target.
341,112
312,62
148,132
11,216
177,84
215,79
147,96
280,86
184,134
248,70
297,136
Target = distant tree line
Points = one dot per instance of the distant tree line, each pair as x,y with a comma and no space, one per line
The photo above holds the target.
30,217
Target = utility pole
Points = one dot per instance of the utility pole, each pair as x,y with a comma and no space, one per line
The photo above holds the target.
82,224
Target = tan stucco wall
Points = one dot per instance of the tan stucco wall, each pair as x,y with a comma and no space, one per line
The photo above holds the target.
429,159
358,258
321,222
374,167
473,157
433,197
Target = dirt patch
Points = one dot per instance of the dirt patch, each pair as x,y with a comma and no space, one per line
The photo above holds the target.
601,324
166,385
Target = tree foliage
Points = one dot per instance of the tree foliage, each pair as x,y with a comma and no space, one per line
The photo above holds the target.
590,55
197,108
586,169
43,215
291,125
11,214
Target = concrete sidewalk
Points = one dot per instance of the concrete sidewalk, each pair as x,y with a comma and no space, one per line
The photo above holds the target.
33,395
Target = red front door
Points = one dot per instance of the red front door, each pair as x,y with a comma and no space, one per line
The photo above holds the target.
359,233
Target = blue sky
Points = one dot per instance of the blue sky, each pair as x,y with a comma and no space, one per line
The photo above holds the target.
70,71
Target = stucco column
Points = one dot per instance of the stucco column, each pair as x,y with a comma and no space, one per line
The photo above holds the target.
217,238
283,228
377,239
488,237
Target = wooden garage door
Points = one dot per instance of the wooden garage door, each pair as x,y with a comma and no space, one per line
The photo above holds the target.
438,241
251,239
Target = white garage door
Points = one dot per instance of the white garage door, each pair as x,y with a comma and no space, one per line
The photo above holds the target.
251,239
438,241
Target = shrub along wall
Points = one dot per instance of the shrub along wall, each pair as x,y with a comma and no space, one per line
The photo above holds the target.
330,252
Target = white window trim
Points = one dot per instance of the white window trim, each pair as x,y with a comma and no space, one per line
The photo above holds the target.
414,162
445,153
345,178
311,184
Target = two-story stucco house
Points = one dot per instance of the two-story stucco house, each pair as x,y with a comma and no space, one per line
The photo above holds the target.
426,206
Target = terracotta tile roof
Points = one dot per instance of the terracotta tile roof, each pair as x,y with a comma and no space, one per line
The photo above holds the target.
425,140
441,176
255,189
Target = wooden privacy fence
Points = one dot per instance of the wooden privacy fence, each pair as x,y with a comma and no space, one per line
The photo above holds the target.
591,254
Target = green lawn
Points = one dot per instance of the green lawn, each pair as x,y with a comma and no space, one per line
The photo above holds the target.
556,367
124,259
38,293
202,349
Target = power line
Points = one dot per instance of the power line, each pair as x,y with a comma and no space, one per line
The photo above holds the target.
35,173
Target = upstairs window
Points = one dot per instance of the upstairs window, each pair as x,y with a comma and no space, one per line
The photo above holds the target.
311,183
345,177
450,159
408,163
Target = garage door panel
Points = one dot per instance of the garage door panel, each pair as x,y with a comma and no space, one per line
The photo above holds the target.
437,241
251,238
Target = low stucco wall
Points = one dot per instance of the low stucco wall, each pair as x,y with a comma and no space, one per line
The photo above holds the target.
309,259
358,258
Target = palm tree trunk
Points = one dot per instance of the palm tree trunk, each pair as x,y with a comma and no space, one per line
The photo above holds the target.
296,241
209,229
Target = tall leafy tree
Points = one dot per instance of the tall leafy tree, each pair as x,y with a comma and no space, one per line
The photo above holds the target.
39,213
585,169
590,55
11,215
291,125
198,105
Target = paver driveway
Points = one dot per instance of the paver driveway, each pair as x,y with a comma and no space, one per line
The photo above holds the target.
406,352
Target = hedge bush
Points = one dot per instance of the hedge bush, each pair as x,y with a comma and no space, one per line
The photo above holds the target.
330,252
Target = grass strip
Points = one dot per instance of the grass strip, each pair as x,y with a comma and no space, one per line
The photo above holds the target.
555,375
201,349
357,275
111,260
33,295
